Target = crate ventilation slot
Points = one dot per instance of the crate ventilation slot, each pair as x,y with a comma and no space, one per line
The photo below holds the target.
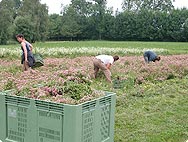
49,106
17,100
105,100
89,106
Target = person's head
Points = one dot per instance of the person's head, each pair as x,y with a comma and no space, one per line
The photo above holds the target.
116,58
158,58
19,37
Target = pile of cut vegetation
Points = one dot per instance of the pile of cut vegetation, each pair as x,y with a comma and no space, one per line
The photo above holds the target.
65,86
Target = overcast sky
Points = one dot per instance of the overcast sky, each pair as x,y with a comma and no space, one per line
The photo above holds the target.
55,5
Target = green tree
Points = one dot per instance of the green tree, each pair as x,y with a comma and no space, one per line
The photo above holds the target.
158,22
38,14
126,26
25,26
185,29
109,25
55,26
176,18
98,14
90,17
6,20
70,27
155,5
131,5
83,9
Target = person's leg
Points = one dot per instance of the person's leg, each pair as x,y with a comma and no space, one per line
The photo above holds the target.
31,62
26,66
106,71
96,68
23,67
23,63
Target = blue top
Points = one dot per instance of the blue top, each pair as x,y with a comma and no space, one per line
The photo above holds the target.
29,53
151,55
27,47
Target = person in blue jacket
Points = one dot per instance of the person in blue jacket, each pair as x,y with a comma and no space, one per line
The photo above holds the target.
150,56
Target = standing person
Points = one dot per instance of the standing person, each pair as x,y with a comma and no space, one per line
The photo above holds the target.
27,58
104,63
150,56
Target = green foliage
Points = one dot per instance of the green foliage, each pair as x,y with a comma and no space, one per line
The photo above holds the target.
25,26
70,27
125,83
10,84
55,26
35,15
24,92
76,90
6,20
76,86
156,5
146,20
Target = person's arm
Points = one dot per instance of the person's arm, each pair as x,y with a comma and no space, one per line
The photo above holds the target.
31,46
108,65
146,59
24,50
111,61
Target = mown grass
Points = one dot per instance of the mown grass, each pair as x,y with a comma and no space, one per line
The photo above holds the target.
158,117
158,114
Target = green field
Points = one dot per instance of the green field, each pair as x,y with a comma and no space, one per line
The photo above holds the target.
82,48
151,107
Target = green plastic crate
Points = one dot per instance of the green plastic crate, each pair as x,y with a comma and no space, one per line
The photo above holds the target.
28,120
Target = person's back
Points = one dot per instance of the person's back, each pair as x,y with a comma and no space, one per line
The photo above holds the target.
151,56
104,63
106,59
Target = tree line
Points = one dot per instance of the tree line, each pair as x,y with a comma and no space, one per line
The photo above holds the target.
143,20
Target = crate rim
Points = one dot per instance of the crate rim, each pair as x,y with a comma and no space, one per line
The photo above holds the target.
107,94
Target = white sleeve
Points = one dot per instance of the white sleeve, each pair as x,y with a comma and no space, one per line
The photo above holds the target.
111,60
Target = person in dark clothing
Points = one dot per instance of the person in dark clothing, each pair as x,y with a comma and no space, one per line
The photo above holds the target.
27,58
150,56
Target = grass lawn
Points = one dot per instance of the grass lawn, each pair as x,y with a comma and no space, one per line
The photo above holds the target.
159,117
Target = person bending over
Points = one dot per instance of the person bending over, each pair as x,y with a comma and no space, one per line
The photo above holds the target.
150,56
104,62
